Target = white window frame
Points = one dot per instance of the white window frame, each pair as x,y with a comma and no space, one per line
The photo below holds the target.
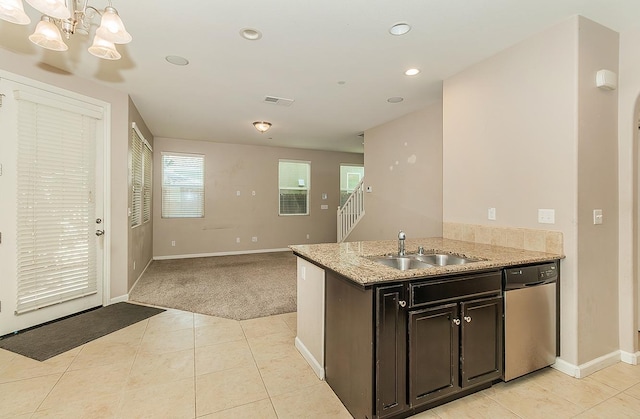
196,212
301,187
141,167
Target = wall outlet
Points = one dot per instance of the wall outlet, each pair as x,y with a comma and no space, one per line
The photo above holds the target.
254,239
134,265
253,193
491,214
237,239
547,216
307,237
173,243
237,193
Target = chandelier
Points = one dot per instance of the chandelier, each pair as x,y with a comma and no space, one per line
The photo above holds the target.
69,17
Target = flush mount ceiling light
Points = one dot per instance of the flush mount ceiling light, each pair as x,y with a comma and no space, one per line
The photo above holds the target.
412,72
250,34
70,16
395,99
262,126
399,29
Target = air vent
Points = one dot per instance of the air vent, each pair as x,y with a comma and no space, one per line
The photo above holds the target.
278,101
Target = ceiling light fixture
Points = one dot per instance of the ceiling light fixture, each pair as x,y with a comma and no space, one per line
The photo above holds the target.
176,60
262,126
399,29
250,34
412,72
70,16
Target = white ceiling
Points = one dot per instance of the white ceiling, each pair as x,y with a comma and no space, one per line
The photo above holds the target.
307,48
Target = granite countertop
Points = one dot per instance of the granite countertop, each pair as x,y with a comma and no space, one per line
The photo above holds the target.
349,259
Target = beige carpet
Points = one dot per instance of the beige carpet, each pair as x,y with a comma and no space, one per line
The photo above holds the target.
236,287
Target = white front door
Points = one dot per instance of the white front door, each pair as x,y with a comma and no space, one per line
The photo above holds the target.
51,198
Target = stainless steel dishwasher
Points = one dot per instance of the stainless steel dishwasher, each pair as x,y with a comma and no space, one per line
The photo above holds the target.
530,318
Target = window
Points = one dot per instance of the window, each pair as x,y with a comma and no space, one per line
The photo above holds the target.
141,165
182,185
350,176
293,184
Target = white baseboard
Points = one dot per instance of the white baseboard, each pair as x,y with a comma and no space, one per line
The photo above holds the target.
313,363
204,255
140,276
119,299
629,358
588,368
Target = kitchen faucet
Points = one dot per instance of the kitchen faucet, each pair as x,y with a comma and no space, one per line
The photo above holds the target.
401,237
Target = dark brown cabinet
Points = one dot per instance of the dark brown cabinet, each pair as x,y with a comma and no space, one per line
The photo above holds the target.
427,341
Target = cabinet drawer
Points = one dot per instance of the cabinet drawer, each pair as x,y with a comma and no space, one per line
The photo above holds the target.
454,288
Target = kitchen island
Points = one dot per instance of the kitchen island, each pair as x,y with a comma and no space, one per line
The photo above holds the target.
398,342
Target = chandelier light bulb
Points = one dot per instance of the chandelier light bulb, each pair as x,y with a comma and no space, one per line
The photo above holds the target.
12,11
53,8
47,35
111,27
104,49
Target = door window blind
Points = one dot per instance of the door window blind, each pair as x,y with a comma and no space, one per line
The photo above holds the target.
56,206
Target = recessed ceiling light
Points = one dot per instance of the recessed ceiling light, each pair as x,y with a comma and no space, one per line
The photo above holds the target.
395,99
177,60
250,34
399,29
412,72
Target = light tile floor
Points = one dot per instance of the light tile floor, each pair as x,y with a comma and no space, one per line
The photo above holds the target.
184,365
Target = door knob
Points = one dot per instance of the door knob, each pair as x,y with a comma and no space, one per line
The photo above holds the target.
99,233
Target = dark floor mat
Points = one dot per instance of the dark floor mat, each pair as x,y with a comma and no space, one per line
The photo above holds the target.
43,342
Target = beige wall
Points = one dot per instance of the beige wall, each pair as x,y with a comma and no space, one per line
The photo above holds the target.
140,237
116,225
527,129
597,189
628,117
230,168
403,166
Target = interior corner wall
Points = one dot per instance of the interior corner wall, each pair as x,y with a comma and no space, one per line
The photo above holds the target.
510,143
140,237
117,225
232,173
597,189
403,166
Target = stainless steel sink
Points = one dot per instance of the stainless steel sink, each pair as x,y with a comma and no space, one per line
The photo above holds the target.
444,259
417,261
404,263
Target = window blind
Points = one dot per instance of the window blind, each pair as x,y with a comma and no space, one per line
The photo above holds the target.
293,185
182,185
55,204
147,162
136,178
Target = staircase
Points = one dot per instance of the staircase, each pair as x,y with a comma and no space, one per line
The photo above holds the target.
351,212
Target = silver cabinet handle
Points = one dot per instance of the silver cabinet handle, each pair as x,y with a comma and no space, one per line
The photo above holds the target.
402,303
456,322
467,319
99,233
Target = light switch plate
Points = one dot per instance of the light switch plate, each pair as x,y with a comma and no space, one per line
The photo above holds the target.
491,214
597,216
547,216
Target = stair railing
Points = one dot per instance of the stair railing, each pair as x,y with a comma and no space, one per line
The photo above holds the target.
350,214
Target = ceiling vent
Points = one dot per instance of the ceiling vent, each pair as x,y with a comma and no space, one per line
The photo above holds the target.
278,101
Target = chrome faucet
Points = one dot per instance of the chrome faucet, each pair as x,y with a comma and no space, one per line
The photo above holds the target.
401,237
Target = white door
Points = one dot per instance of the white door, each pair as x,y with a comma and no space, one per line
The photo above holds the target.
51,189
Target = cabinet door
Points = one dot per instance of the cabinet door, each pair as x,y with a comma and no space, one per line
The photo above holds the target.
481,347
433,353
391,341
